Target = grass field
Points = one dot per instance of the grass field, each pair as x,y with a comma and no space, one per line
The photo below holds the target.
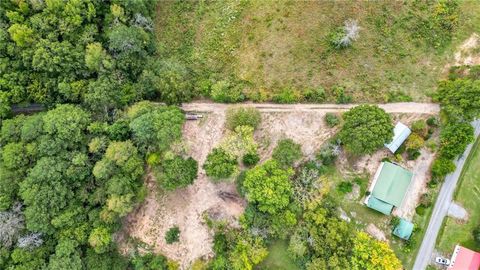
271,46
278,258
468,195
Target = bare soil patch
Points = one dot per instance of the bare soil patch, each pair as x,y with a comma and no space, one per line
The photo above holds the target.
186,208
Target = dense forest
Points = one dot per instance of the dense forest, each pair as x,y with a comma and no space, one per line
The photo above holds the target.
71,173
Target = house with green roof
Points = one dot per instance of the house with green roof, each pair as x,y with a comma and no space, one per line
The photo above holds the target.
404,229
389,186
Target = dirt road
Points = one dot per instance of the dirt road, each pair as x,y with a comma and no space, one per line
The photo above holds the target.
405,107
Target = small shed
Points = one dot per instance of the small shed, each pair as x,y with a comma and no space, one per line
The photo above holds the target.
400,134
404,229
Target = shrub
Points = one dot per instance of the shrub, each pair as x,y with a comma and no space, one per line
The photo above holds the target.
476,235
341,96
441,167
178,172
172,235
426,199
414,142
413,154
345,187
420,127
242,117
328,153
286,95
287,152
366,129
224,91
219,164
343,37
332,119
420,210
432,121
250,159
394,221
315,95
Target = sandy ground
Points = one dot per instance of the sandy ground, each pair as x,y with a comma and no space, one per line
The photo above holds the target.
186,207
375,232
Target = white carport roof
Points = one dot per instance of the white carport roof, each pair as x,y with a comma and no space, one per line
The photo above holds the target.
400,134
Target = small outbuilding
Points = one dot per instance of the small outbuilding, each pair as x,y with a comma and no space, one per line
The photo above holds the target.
404,229
400,134
464,259
389,186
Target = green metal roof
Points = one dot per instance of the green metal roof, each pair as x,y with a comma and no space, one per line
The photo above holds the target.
392,184
380,206
404,229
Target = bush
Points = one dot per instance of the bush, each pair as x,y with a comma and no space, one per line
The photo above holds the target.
242,117
341,96
287,152
413,154
426,200
414,142
394,221
345,187
250,159
332,119
178,172
441,167
172,235
219,164
420,210
420,127
315,95
328,153
432,121
476,235
224,91
286,95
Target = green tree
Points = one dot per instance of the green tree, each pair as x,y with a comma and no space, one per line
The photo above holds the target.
366,128
369,253
454,138
100,239
287,152
220,164
158,128
460,99
269,186
247,252
177,172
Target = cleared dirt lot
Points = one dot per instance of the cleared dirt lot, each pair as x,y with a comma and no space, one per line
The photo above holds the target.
186,207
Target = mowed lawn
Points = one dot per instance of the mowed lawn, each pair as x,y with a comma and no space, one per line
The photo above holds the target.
468,195
272,45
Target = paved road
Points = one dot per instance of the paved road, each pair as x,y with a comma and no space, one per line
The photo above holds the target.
405,107
441,208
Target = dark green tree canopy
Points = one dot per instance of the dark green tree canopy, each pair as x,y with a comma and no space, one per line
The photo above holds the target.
460,99
366,128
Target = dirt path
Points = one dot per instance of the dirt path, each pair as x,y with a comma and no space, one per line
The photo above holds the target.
405,107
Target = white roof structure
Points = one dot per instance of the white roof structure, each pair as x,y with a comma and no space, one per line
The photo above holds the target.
400,134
